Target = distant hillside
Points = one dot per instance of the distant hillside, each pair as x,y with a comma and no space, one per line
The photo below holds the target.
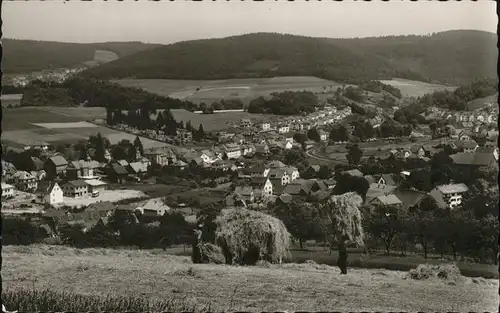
25,56
453,57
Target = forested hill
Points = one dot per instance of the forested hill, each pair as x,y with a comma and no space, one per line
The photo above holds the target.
25,56
453,57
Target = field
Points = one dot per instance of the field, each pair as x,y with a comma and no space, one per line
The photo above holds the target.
58,125
156,275
217,121
413,88
481,103
244,89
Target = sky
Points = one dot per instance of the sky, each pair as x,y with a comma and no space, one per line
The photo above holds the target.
167,22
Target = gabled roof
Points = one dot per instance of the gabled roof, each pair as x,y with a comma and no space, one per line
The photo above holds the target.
138,167
37,162
118,169
95,182
6,186
285,198
122,162
294,189
277,173
389,199
84,164
58,160
77,183
51,186
389,179
243,190
354,172
452,188
476,158
258,181
276,164
315,168
410,198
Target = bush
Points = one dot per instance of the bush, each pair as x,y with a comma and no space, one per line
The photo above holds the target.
447,272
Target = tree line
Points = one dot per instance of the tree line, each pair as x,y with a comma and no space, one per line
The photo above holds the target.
285,103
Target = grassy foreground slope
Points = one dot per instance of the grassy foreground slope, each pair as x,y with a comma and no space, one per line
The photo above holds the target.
452,57
158,276
24,56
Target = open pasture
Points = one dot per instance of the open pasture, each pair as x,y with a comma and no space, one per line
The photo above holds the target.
216,121
24,126
157,275
244,89
413,88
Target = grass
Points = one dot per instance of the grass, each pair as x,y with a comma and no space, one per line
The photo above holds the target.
413,88
18,128
244,89
155,276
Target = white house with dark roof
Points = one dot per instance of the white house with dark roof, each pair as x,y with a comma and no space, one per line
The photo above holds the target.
25,181
75,189
54,194
449,195
232,151
7,191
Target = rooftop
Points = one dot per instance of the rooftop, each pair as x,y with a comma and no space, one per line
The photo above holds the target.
452,188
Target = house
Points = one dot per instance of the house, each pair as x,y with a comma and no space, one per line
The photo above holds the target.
81,169
232,151
386,179
376,190
279,178
312,171
95,186
256,171
208,156
283,128
323,135
468,146
25,181
157,157
276,164
263,186
116,172
75,189
7,191
293,172
309,144
247,149
245,123
245,192
266,126
262,148
330,183
152,209
184,136
409,198
137,169
296,189
54,194
36,164
474,159
387,200
418,151
284,199
55,166
449,195
353,172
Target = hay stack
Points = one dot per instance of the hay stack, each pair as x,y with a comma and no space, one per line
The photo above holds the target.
344,215
247,236
447,272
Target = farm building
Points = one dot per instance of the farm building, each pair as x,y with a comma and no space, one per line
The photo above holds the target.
25,181
116,172
245,192
55,166
263,187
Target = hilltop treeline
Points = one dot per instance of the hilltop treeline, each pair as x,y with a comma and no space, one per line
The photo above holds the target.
458,99
285,103
376,86
25,56
95,93
453,57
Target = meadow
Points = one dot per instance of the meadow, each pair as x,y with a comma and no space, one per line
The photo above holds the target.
157,276
244,89
413,88
24,126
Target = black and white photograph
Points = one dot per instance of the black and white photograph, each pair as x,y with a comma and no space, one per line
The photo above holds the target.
223,156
